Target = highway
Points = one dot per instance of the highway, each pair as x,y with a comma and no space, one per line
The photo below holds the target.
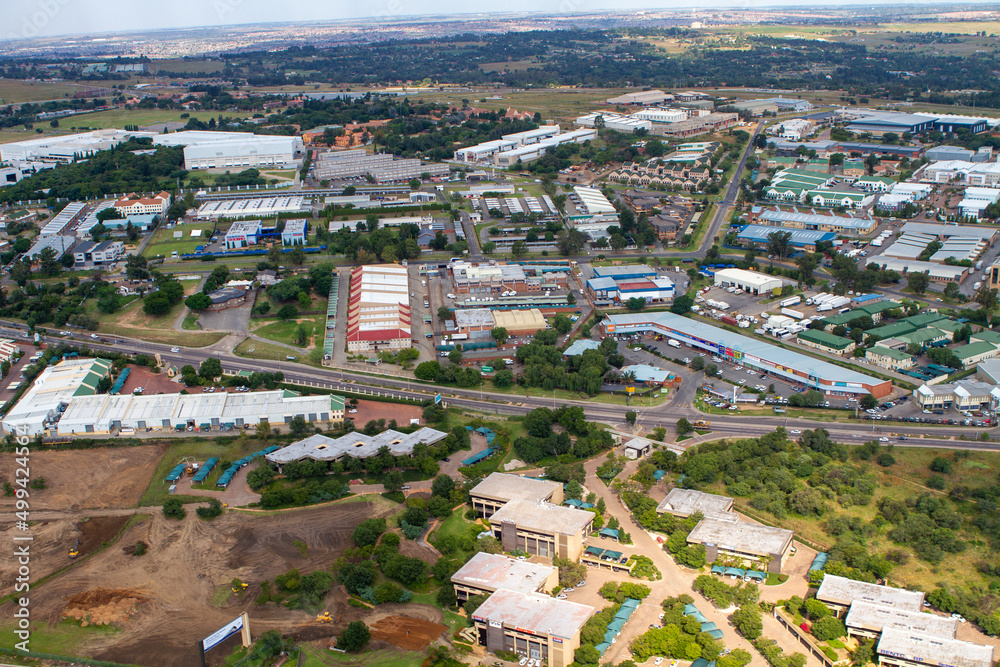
666,414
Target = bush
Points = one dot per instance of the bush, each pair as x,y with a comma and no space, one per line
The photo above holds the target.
368,531
355,637
173,508
213,510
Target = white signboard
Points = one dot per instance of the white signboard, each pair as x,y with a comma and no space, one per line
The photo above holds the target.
222,634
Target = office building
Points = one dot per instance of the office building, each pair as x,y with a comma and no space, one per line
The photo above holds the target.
867,620
243,233
378,314
613,121
98,254
682,503
826,342
908,648
859,226
532,625
541,528
354,445
485,574
133,204
797,368
499,488
755,544
234,150
839,593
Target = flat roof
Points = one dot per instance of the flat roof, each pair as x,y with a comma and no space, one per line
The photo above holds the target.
356,445
933,650
685,502
748,277
877,617
844,591
474,317
495,571
722,339
505,487
741,536
760,233
543,517
539,613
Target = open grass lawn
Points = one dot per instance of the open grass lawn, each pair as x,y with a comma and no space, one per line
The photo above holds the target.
284,173
198,449
456,526
65,638
286,332
16,91
163,241
132,322
555,104
391,657
254,349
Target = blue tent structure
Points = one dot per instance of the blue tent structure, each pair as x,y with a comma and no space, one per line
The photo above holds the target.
610,532
737,571
602,647
624,613
659,474
718,569
609,636
616,625
176,473
757,575
707,626
630,602
700,662
205,470
819,562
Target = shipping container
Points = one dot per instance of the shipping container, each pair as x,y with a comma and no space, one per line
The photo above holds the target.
792,313
790,301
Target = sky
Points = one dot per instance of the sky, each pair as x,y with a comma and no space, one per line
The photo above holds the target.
49,18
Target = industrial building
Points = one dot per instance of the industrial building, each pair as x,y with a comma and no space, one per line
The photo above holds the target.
62,219
532,625
60,244
486,152
712,122
243,233
66,147
382,167
474,322
378,314
941,273
959,241
520,322
748,281
878,124
683,503
499,488
907,648
234,150
40,408
488,278
813,222
531,152
654,290
238,209
976,201
486,573
798,368
592,201
661,115
354,445
104,413
645,97
753,543
294,232
16,170
613,121
839,593
541,528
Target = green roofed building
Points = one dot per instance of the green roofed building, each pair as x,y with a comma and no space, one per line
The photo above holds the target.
876,309
923,337
986,335
844,318
921,320
973,353
951,327
891,330
826,342
893,360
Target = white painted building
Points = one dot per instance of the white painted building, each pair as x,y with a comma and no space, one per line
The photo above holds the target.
67,147
234,150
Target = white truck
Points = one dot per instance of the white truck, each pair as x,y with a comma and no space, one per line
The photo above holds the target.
790,301
674,343
722,305
794,314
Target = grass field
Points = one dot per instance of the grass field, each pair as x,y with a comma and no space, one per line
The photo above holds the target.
554,104
318,657
14,91
133,323
164,243
285,332
64,638
254,349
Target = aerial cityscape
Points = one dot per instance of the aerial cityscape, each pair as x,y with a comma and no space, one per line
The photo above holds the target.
432,336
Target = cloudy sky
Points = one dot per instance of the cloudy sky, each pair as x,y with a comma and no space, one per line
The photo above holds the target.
48,18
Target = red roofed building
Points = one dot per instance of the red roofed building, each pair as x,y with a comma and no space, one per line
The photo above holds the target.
133,204
378,311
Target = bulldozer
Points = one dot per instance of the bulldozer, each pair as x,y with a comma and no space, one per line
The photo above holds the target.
242,586
324,617
74,550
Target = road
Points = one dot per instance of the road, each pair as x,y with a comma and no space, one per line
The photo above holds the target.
665,414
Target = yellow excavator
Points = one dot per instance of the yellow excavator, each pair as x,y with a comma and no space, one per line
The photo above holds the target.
324,617
74,550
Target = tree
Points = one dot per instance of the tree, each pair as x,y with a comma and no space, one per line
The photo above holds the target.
631,416
711,370
562,324
48,262
198,301
684,427
698,363
519,249
444,313
367,532
918,282
173,508
807,263
779,244
635,304
287,312
682,305
442,486
355,637
392,481
446,597
986,298
827,628
748,621
210,369
500,335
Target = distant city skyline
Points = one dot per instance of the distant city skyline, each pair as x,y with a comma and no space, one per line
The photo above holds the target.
51,18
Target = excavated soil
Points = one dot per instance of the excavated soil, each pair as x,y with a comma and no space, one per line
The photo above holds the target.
412,634
104,606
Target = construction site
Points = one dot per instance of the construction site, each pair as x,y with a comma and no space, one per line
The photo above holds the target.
109,603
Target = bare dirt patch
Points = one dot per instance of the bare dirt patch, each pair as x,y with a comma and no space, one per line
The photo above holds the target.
150,382
186,563
98,530
87,478
414,634
368,410
104,606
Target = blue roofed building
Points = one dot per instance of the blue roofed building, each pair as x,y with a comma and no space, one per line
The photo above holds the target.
581,346
804,239
627,272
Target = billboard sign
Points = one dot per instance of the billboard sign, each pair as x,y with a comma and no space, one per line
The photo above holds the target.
437,399
222,634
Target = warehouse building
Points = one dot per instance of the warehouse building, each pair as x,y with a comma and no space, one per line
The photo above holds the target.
613,121
378,312
541,528
753,543
810,221
487,152
243,233
906,648
382,167
758,236
67,147
354,445
534,151
62,219
499,488
41,407
104,413
485,574
839,593
520,322
797,368
941,273
654,290
532,625
939,153
234,150
748,281
237,209
878,124
474,322
645,97
683,503
593,201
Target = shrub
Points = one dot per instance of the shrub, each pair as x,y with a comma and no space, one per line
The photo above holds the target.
173,508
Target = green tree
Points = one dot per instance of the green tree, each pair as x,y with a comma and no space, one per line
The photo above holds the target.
986,297
868,402
635,304
519,249
210,369
500,335
779,244
444,313
684,427
748,622
682,305
287,312
173,508
631,416
918,282
698,363
827,628
354,638
198,301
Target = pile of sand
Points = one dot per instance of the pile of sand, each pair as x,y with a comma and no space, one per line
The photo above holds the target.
513,464
104,606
